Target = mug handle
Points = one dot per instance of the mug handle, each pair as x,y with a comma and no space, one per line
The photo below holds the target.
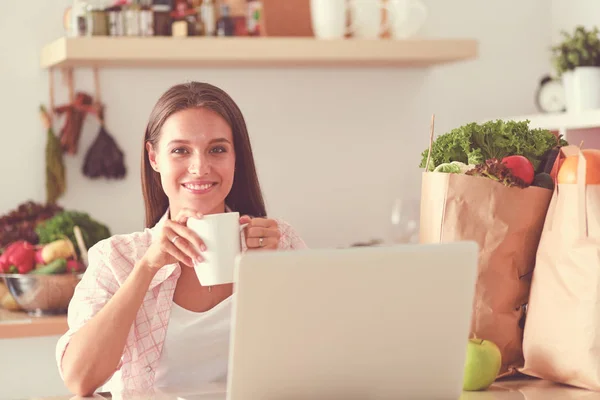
242,236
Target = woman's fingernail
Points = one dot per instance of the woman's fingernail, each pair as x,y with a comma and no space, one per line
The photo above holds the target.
199,215
203,247
199,258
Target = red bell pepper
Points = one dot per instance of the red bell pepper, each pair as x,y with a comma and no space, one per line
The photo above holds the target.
19,257
3,262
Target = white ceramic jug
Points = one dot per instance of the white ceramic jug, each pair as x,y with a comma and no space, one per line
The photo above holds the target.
406,17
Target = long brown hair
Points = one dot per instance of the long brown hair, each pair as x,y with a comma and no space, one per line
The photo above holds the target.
245,196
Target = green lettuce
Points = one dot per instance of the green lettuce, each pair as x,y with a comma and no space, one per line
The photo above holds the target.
455,167
475,143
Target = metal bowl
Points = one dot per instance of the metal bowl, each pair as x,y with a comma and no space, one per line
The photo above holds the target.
42,294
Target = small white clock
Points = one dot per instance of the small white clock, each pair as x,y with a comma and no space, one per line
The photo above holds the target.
550,96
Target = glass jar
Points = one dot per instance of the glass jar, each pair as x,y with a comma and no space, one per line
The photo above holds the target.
116,22
132,19
97,20
78,19
162,19
146,18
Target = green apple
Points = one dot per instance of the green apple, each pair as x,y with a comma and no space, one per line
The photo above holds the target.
482,364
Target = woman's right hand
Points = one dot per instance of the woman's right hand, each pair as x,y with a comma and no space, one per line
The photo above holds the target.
175,243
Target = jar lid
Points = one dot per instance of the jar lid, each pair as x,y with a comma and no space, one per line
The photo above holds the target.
161,7
96,7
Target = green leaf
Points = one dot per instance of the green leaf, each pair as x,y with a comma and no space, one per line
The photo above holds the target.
582,48
475,143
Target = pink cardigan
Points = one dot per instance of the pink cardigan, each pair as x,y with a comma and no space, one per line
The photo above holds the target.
110,263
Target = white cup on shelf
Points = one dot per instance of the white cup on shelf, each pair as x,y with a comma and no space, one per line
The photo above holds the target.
328,18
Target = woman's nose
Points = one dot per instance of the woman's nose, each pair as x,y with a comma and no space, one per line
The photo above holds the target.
199,166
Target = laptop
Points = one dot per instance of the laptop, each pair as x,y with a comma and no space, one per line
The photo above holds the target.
359,323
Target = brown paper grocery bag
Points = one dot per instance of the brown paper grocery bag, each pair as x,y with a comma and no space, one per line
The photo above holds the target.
506,222
562,332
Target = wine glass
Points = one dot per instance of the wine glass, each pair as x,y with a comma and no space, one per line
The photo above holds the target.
404,221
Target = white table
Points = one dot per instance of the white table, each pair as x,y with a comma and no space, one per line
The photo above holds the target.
509,389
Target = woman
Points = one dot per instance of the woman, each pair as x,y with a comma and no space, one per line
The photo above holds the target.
140,318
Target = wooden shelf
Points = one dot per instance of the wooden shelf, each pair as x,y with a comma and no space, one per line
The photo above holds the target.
562,121
20,325
143,52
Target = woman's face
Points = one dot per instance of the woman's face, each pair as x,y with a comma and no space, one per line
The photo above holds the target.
196,160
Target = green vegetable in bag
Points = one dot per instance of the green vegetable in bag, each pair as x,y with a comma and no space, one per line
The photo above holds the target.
454,167
475,143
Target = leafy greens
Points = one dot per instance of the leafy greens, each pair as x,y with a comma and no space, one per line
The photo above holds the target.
475,143
62,224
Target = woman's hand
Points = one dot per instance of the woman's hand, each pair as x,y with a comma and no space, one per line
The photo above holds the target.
261,233
175,243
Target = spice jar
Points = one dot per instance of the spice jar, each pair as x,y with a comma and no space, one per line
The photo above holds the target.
146,19
254,18
209,20
97,20
132,19
225,24
162,19
78,18
116,22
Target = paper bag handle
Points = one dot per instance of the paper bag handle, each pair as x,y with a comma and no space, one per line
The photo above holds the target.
430,142
582,194
568,151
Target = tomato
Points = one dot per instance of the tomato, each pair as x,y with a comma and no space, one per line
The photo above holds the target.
520,167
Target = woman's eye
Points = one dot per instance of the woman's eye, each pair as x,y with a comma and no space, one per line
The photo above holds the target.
179,150
218,149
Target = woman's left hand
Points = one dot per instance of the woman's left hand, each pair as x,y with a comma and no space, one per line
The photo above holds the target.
261,233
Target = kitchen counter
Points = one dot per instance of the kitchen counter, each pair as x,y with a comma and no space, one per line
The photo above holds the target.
15,325
507,389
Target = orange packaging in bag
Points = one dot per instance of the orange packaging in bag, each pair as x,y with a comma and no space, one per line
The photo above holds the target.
562,331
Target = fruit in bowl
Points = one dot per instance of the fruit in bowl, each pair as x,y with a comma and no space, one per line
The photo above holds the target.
42,294
41,279
6,300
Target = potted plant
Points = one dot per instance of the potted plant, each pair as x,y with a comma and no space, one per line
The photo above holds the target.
577,62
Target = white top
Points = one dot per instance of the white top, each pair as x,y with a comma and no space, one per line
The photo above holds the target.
196,348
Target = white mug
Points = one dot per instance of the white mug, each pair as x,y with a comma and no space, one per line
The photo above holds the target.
406,17
221,233
328,18
367,18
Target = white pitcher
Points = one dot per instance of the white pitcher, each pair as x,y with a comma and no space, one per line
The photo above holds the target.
406,17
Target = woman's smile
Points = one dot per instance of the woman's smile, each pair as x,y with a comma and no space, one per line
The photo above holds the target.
199,187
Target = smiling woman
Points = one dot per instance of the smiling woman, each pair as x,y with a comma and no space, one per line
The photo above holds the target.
140,318
189,119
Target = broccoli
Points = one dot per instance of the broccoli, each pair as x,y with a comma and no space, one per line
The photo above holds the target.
62,224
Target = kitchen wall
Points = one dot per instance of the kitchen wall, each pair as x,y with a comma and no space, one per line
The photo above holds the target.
332,146
567,14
